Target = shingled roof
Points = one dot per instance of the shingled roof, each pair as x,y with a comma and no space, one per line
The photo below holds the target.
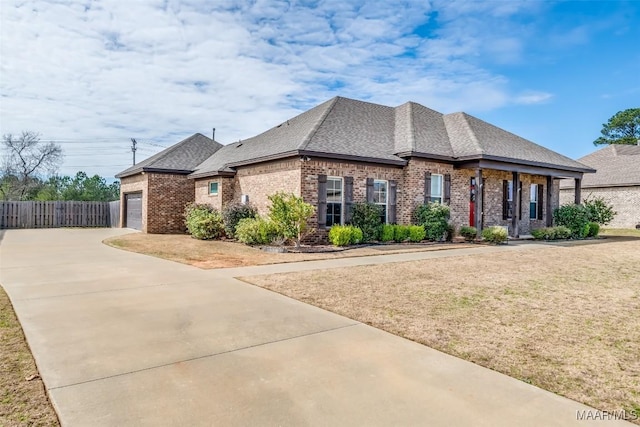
180,158
344,128
616,165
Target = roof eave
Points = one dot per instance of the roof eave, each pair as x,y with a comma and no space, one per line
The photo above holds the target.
153,170
429,156
524,162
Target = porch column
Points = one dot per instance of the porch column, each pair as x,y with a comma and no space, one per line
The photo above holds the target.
515,217
479,203
549,201
578,199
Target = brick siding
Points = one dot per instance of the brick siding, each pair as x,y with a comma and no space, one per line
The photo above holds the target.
164,195
625,201
166,198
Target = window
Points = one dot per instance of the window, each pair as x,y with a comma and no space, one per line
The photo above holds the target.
510,199
334,201
436,188
213,188
533,202
380,194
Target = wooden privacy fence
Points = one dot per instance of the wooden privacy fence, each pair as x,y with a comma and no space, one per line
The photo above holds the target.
35,214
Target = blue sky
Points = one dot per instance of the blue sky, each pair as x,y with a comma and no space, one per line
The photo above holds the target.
93,74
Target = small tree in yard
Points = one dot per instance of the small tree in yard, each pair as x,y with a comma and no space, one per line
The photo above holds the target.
599,211
290,214
433,217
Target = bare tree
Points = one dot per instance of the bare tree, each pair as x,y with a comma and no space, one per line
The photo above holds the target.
26,161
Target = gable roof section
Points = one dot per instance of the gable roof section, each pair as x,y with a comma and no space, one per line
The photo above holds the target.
344,128
181,158
472,138
616,165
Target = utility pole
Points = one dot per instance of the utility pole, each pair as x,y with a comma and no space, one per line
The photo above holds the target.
133,149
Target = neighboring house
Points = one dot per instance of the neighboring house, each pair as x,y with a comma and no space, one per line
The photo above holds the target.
617,181
346,151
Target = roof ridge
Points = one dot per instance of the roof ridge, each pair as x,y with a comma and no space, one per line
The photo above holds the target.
468,130
162,154
319,123
412,130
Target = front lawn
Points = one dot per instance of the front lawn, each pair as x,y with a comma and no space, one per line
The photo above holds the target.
563,318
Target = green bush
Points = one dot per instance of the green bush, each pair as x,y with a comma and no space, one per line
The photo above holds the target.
434,218
552,233
594,229
400,233
495,234
256,231
343,235
574,217
386,232
469,233
417,233
366,216
451,231
599,211
203,222
561,232
233,213
290,214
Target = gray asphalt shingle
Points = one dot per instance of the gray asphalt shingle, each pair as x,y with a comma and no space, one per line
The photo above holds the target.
616,165
344,127
181,157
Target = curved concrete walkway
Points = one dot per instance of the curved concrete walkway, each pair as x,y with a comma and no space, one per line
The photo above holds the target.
126,339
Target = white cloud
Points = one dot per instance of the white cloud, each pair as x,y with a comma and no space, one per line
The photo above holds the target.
528,98
105,71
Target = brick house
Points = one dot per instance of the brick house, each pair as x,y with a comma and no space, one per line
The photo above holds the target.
617,181
345,151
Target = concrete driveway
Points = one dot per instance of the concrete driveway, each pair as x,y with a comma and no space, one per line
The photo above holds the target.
126,339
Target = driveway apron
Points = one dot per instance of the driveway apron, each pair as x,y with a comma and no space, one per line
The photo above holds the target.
126,339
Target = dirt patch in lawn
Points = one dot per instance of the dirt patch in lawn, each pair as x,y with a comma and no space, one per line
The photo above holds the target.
221,254
564,318
23,400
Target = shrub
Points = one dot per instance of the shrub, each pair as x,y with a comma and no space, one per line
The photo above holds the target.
469,233
203,222
233,213
400,233
290,214
495,234
451,231
574,217
343,235
256,231
417,233
367,217
433,217
594,229
599,211
551,233
386,232
561,232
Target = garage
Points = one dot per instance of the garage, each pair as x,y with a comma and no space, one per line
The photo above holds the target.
133,209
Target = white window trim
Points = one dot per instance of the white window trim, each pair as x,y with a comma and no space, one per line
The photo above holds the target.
533,198
341,197
217,188
386,197
441,196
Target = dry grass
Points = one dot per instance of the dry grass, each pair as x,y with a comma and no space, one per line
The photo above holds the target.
22,402
628,232
564,318
221,254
